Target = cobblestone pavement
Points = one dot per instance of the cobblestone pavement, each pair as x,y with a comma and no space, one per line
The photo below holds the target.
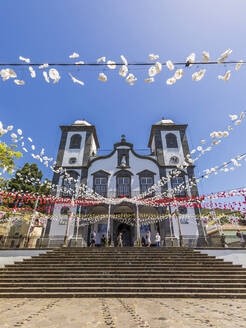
122,313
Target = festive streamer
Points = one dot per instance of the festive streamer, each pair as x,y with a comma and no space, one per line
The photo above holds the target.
155,67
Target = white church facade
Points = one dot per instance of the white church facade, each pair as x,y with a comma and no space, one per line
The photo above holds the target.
124,172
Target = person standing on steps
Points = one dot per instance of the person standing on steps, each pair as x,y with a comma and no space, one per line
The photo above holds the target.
222,239
240,236
93,239
103,241
120,244
158,239
109,240
148,239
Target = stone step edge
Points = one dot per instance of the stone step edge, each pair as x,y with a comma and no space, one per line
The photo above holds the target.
130,265
121,255
106,289
126,280
166,273
143,284
114,270
123,295
37,261
125,265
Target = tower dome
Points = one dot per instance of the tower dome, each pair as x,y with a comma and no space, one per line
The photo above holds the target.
81,122
164,122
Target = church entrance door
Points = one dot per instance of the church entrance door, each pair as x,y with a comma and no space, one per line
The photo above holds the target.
126,233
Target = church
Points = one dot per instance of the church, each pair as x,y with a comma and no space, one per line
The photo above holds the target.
123,173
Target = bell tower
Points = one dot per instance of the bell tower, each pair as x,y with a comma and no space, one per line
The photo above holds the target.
168,142
78,143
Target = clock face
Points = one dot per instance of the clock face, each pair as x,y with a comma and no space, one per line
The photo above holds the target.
174,160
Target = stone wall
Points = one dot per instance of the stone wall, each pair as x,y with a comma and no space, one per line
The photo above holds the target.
237,256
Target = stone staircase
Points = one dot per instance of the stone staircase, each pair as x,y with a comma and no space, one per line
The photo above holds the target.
123,272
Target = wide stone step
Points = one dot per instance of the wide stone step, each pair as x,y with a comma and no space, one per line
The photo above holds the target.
114,269
143,251
118,263
176,258
124,295
114,274
124,255
139,277
125,272
121,265
116,250
130,284
102,261
122,249
59,280
117,258
123,289
142,254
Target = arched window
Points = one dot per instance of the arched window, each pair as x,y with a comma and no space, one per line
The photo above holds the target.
146,180
75,141
100,185
171,140
178,186
145,183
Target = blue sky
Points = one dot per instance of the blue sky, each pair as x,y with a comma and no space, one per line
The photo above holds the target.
49,31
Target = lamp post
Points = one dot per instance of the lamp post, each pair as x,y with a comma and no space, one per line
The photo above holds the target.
181,243
203,227
69,217
77,227
8,232
171,226
77,231
108,226
138,226
32,221
43,232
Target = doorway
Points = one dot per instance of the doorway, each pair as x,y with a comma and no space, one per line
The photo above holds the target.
125,229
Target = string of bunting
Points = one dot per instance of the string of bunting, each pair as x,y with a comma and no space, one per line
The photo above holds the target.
48,203
86,220
155,67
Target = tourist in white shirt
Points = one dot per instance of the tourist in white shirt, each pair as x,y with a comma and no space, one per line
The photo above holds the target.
158,239
148,239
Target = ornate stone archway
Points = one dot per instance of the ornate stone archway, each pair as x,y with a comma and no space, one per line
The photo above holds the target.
128,231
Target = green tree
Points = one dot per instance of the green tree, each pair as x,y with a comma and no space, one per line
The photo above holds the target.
3,183
28,180
8,155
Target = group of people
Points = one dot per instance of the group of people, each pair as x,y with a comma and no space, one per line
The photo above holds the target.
147,240
239,234
144,241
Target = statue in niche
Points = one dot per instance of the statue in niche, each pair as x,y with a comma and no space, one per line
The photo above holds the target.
123,161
